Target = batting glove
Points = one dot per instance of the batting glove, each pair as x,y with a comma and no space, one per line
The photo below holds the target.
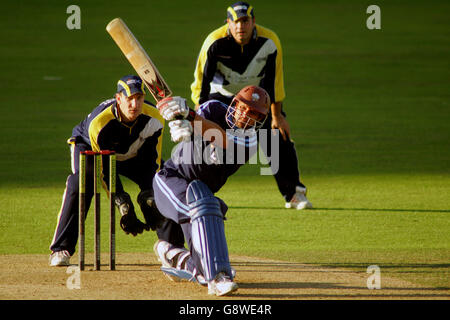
172,108
180,130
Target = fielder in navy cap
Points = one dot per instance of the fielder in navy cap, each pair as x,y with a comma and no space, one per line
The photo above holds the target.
238,10
241,53
130,85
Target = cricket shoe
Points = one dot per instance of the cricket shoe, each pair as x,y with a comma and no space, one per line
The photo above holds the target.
60,259
178,275
160,248
175,266
174,263
222,285
202,281
299,200
172,257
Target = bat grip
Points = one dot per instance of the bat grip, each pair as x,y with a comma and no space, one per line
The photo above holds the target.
190,116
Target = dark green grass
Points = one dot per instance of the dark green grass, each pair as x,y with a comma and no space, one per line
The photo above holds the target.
369,112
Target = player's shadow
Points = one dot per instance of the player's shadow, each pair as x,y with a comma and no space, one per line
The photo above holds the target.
346,209
292,289
416,266
324,285
361,293
383,210
293,285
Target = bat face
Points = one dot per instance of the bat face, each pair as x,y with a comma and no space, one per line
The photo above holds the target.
157,88
139,59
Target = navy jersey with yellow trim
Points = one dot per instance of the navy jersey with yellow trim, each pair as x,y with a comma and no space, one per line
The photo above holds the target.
103,130
224,67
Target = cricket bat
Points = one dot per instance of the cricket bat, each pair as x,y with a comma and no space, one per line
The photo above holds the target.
139,59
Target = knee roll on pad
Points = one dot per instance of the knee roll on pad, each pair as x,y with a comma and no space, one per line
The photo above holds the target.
208,233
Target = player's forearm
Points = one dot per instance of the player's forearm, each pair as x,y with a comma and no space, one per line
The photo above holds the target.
275,109
210,131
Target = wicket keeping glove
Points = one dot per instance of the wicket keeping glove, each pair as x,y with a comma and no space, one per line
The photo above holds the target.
153,218
129,221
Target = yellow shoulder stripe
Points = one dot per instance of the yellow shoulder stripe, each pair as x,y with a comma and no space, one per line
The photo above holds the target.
97,124
279,77
152,112
196,86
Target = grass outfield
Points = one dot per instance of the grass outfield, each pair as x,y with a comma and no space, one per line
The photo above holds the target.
369,112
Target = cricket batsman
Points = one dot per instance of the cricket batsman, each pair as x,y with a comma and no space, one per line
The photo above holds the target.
225,137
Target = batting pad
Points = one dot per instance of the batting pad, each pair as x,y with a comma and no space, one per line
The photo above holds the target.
208,233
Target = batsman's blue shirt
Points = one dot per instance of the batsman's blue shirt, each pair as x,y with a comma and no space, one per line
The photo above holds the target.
200,159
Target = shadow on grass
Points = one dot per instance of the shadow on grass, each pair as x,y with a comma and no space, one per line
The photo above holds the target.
345,209
345,296
358,265
389,266
328,289
382,210
348,291
325,285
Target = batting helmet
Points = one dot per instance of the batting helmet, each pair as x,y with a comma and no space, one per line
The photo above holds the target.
249,108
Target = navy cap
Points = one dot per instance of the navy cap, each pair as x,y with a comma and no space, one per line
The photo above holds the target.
130,85
238,10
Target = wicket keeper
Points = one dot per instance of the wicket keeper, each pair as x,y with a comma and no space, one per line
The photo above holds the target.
132,127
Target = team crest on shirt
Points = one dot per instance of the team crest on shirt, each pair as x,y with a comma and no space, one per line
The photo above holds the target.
255,97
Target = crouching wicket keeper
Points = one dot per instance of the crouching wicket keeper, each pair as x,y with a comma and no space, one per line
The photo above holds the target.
132,127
